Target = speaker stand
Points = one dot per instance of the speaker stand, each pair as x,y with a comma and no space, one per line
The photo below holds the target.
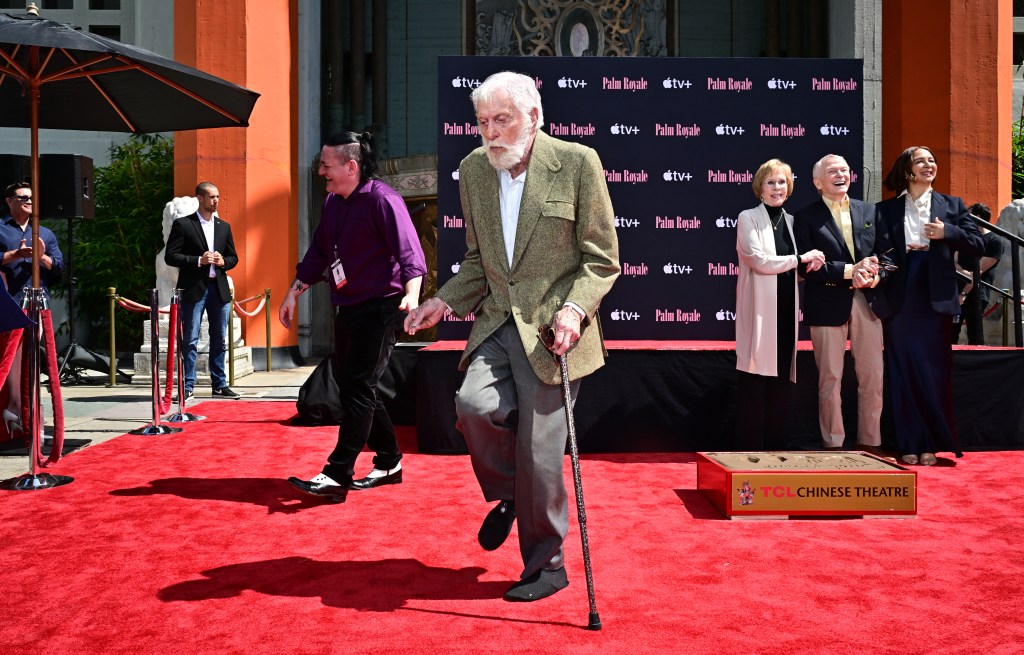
74,359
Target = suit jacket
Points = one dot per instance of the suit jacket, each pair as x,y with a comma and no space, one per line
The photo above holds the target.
566,249
828,298
186,244
757,294
961,234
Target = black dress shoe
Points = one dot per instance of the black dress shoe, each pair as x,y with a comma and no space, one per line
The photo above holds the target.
541,584
497,524
332,492
379,481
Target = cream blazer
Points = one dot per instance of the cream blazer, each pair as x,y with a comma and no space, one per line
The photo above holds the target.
756,291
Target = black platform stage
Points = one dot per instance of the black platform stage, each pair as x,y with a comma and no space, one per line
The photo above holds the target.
681,397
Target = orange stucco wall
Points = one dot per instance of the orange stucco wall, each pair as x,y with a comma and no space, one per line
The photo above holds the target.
946,84
250,43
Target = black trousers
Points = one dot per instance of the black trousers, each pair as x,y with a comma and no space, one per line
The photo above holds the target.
762,413
364,336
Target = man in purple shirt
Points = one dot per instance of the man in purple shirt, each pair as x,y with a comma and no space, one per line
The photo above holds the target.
367,249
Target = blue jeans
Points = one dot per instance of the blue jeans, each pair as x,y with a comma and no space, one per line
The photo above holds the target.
217,314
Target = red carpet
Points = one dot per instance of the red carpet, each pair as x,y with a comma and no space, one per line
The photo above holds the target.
194,542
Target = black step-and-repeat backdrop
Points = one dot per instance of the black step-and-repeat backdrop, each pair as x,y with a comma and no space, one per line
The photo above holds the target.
680,140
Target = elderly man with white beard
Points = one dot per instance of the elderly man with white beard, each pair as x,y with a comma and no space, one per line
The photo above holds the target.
541,249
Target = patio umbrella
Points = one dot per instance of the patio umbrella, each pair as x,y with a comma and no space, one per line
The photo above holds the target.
57,76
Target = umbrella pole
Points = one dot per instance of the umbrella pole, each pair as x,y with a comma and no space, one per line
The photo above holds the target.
32,479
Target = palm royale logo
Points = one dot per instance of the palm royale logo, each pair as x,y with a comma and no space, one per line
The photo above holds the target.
626,176
451,317
668,129
572,129
833,84
729,84
623,84
716,269
461,129
783,130
452,221
730,177
676,223
634,270
676,316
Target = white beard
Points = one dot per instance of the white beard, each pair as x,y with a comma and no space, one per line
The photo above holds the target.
512,154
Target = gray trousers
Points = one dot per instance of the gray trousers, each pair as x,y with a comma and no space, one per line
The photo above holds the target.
514,426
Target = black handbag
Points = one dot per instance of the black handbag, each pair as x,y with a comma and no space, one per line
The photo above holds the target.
319,401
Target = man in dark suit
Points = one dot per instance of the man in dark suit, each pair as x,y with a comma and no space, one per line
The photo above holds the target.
838,300
202,249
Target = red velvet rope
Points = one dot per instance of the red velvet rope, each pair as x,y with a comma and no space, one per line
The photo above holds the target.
254,312
10,348
24,403
133,306
172,331
56,397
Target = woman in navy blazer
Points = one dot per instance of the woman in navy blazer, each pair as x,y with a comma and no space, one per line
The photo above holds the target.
923,228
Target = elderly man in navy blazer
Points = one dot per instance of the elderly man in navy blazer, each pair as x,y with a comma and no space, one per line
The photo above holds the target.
838,301
202,248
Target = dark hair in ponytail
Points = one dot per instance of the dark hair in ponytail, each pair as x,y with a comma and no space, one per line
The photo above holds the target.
351,146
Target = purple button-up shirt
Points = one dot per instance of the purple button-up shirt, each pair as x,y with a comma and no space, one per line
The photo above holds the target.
373,235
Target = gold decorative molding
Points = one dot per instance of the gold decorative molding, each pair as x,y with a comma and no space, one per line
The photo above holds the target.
571,28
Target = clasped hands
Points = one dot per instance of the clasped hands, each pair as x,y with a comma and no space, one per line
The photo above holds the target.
814,259
864,272
936,230
24,250
213,257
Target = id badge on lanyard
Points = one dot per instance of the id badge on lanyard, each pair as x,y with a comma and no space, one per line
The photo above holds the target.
338,271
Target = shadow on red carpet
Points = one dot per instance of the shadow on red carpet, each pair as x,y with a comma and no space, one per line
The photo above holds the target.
194,542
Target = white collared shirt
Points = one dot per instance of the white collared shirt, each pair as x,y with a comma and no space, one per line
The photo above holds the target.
207,226
916,213
510,196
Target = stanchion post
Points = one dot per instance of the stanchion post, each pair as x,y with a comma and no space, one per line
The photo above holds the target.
181,416
231,340
1006,320
36,299
112,293
266,308
154,367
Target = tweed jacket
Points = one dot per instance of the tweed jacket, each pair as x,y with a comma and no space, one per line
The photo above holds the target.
566,249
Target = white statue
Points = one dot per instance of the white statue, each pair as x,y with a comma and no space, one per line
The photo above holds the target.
167,276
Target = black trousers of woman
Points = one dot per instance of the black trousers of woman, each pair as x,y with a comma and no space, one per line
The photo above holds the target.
919,364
